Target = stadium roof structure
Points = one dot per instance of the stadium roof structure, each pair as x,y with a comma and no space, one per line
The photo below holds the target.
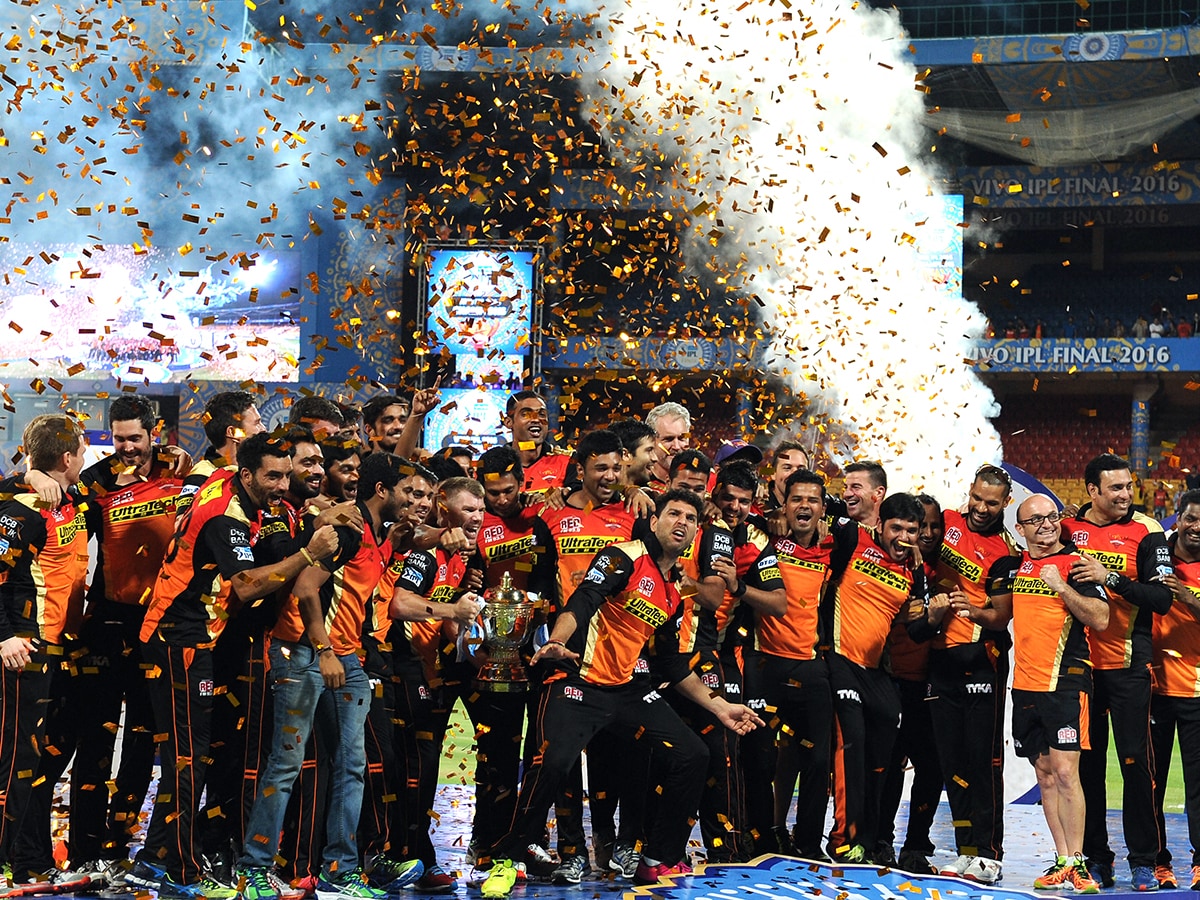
1066,99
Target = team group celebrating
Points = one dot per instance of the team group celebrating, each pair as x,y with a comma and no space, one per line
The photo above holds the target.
288,623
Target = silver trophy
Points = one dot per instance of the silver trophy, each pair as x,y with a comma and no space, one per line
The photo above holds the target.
506,616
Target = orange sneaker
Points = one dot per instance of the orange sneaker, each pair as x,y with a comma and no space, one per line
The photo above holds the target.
1165,876
1054,877
1078,878
1196,878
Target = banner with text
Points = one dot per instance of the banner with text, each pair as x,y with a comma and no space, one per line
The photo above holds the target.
1088,355
1102,185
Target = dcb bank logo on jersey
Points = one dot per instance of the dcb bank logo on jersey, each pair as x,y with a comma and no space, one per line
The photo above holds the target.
787,877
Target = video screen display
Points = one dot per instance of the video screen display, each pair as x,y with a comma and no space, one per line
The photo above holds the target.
467,417
480,301
147,314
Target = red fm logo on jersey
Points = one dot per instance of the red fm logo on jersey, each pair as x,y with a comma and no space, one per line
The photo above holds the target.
872,553
1080,538
788,547
571,525
493,534
953,535
646,586
441,575
573,693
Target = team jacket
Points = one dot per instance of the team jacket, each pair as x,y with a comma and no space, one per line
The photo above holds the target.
866,600
550,470
977,564
355,571
1136,548
579,534
623,602
732,623
1050,648
133,524
908,657
696,562
201,471
519,545
1177,639
805,571
44,562
437,576
214,541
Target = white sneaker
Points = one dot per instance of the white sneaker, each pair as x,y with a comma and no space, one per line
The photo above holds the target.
983,870
957,868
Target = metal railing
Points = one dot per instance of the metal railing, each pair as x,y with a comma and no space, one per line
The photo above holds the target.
982,18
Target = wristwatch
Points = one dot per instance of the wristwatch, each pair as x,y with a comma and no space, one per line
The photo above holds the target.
1111,580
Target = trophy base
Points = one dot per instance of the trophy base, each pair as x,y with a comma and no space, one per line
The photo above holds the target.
502,687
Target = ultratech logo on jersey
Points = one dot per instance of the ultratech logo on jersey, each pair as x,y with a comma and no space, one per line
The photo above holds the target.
1114,562
570,546
641,608
960,564
1033,586
878,573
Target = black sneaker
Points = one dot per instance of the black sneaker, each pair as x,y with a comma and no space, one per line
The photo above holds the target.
572,870
915,862
884,854
1102,873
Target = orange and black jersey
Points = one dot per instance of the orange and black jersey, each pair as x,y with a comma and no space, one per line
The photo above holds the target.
43,561
908,657
622,604
978,564
279,536
214,541
437,576
133,524
354,573
712,541
732,623
552,469
200,473
1136,548
1050,647
866,599
806,571
1177,638
579,534
519,545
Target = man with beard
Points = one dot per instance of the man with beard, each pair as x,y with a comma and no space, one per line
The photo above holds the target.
1049,607
1127,553
229,418
131,512
434,598
877,583
545,466
314,655
319,415
732,819
639,454
342,464
209,570
1176,702
794,669
630,593
968,674
394,423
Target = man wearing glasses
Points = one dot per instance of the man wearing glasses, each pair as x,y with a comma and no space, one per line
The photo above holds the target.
968,672
1050,607
1127,553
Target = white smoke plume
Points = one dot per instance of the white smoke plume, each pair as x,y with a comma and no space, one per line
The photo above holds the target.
792,134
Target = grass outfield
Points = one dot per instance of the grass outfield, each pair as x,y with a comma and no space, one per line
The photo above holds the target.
458,765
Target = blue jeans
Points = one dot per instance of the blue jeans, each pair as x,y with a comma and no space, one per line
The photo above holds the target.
302,702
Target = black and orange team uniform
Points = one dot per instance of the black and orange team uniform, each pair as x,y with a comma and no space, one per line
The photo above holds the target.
864,604
796,674
520,546
190,604
968,674
1176,704
720,801
725,649
211,462
1136,550
577,536
242,710
133,524
622,603
44,562
1052,680
429,681
916,744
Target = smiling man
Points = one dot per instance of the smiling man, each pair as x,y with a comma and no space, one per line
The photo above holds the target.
1127,553
865,486
877,582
